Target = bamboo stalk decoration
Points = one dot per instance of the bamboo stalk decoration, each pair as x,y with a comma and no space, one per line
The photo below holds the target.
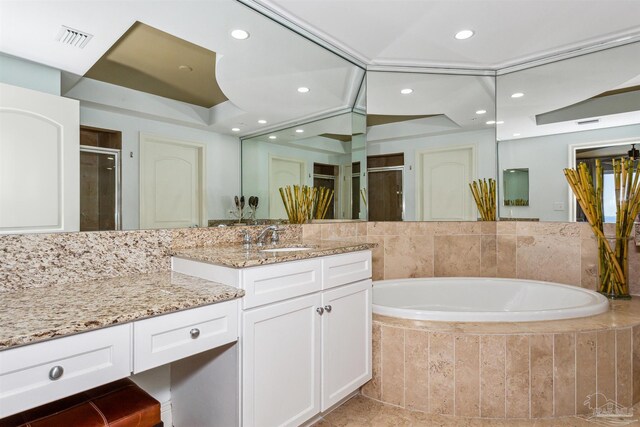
613,261
302,203
363,194
484,193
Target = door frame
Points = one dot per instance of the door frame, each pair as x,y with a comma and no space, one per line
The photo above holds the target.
572,150
145,139
389,169
303,173
419,163
116,153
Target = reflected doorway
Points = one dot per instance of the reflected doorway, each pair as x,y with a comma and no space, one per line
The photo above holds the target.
385,184
99,179
326,176
606,153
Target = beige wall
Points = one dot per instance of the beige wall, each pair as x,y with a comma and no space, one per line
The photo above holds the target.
552,251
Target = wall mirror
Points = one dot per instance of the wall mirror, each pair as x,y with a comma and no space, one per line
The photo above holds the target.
516,187
428,137
326,153
555,115
179,110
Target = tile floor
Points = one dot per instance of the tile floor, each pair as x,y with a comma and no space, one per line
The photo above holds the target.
361,411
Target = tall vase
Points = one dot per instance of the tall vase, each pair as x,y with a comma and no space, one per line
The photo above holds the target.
613,276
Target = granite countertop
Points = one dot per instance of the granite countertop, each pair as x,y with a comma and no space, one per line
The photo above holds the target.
36,314
236,256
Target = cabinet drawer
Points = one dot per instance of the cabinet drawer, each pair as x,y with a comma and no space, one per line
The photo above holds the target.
87,360
163,339
277,282
346,268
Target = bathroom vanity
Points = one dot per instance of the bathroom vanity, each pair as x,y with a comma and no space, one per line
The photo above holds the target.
234,336
305,324
110,329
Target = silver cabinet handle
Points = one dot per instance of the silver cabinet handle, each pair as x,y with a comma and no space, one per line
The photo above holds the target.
320,310
56,372
327,308
195,333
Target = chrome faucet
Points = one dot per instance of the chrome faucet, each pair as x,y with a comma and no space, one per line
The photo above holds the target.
274,235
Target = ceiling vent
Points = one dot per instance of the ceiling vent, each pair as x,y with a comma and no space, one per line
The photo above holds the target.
588,122
72,37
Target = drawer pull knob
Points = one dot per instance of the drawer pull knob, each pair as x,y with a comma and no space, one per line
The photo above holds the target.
195,333
320,310
56,372
327,308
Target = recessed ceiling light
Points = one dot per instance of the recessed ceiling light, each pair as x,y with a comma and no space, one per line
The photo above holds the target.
517,95
185,68
481,112
262,122
303,89
516,134
299,130
464,34
239,34
406,91
235,129
491,122
500,122
272,137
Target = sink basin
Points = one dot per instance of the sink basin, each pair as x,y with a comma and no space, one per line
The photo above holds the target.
289,249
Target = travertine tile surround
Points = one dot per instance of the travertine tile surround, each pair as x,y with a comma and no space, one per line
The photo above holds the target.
551,251
507,370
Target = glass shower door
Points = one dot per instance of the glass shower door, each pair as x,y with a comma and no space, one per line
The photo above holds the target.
99,189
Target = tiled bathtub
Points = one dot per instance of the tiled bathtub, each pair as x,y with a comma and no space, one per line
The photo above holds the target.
508,370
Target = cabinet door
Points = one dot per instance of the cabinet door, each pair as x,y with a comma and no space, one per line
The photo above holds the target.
346,341
281,363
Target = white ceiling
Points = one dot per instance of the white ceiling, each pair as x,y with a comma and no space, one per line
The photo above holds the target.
561,84
421,32
260,75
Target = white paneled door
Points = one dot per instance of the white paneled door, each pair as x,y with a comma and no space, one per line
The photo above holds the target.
442,184
39,161
172,185
283,172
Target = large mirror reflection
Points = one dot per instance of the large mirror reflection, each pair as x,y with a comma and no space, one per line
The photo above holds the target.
327,153
156,105
558,114
428,137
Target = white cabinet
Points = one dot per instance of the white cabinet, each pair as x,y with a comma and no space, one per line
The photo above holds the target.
281,363
306,334
40,373
164,339
346,341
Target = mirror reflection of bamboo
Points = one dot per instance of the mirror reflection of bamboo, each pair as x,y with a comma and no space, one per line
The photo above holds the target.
484,193
613,262
303,203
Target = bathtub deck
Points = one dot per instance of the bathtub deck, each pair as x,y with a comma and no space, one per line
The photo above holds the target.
361,411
